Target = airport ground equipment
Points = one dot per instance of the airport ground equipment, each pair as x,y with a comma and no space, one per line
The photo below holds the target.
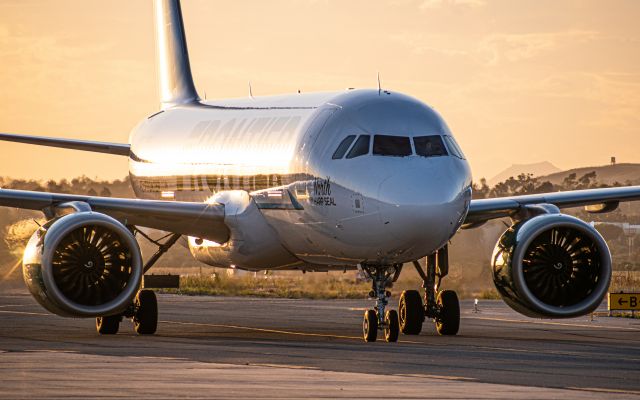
623,301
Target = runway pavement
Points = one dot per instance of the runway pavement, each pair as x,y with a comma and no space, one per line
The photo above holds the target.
220,347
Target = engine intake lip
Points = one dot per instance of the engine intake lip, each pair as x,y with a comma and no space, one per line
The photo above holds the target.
57,233
530,231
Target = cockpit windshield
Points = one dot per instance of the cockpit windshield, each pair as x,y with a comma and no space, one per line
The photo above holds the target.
360,148
396,146
429,146
343,147
454,149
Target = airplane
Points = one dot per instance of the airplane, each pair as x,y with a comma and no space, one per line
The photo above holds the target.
365,180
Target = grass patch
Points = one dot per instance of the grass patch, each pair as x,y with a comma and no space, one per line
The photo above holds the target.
290,287
317,285
625,314
625,281
338,285
489,294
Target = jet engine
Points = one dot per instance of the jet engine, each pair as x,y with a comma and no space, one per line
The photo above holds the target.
83,264
552,265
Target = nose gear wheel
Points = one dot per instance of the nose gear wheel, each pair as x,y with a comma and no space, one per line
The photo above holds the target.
391,326
370,326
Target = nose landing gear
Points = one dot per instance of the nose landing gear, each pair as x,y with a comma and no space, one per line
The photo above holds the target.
441,306
379,318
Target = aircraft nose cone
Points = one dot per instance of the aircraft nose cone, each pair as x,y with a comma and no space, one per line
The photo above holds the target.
416,207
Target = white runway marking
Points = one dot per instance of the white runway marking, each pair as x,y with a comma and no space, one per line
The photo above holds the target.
248,328
519,321
26,313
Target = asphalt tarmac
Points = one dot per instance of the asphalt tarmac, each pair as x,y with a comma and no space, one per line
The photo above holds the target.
221,347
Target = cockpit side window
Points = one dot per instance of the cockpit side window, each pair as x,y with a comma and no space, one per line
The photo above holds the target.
361,147
395,146
454,149
343,147
429,146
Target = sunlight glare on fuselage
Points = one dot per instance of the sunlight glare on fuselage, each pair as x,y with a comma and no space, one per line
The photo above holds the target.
250,160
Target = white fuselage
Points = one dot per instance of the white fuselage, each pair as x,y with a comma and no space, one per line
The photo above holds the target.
315,212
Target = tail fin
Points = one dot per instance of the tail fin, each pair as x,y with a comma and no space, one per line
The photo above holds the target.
176,82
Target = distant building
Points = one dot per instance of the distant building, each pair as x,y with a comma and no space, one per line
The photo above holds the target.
627,228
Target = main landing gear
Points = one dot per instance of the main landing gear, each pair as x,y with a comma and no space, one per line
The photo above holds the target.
441,306
143,312
380,319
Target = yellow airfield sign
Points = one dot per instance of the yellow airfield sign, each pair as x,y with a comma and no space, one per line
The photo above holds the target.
624,301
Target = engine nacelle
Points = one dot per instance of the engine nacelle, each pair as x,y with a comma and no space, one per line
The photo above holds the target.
552,265
84,264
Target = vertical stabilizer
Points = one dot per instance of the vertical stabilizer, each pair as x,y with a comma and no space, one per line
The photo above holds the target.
174,71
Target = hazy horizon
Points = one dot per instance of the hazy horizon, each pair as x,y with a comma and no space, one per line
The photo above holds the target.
476,178
517,82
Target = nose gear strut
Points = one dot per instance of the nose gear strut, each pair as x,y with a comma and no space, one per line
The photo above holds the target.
379,318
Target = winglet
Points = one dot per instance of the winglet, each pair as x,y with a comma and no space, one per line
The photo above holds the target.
176,82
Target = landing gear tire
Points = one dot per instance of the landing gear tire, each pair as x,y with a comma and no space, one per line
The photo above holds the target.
411,312
391,326
145,319
108,325
448,320
370,326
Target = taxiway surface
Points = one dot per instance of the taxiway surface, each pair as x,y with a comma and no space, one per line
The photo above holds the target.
220,347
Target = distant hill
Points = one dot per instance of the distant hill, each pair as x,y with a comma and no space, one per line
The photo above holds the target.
607,174
536,169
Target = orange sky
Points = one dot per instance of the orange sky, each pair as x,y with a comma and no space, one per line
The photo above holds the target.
517,81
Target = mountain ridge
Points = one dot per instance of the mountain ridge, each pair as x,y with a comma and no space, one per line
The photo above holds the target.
542,168
624,173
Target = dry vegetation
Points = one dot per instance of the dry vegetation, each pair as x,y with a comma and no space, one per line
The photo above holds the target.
625,281
312,286
317,285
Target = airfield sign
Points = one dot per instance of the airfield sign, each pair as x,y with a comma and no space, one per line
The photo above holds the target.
624,301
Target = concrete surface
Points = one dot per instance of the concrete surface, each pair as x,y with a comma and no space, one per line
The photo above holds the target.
219,347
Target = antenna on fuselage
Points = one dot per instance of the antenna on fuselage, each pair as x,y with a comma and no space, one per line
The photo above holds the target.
250,90
379,87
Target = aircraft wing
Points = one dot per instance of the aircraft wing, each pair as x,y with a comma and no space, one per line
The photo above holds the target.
75,144
193,219
595,200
